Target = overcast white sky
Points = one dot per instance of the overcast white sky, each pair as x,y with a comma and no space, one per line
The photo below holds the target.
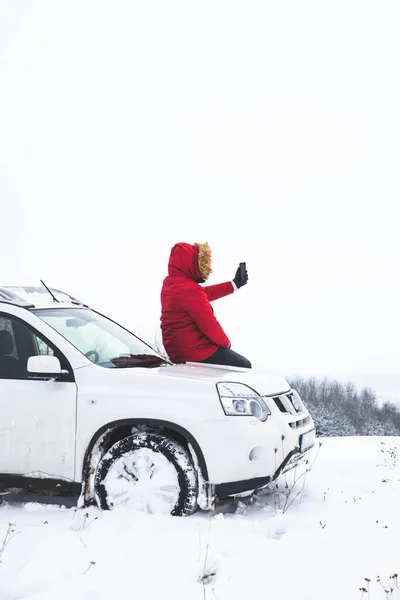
270,129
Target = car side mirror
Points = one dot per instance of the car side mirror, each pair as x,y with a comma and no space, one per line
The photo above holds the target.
44,367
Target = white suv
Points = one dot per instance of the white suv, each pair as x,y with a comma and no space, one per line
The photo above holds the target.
88,409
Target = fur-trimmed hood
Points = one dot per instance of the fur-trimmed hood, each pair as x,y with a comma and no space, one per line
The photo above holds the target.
204,260
190,260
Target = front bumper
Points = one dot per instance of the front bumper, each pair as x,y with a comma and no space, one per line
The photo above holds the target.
223,490
243,453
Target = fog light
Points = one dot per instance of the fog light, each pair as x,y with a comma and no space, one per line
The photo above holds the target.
256,453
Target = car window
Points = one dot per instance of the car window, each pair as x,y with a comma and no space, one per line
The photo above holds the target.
42,347
18,342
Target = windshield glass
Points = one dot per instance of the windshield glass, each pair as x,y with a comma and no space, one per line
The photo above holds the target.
99,339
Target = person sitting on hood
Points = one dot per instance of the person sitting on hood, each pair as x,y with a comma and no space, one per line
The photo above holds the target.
190,331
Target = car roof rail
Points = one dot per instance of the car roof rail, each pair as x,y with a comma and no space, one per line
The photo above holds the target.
9,297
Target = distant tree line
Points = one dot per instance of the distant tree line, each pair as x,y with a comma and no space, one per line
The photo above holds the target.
341,409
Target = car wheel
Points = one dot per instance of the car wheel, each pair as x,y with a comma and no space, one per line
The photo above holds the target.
147,472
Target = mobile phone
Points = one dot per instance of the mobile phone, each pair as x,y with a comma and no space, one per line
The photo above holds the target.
242,266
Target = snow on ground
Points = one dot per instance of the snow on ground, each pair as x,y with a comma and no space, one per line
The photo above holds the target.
342,529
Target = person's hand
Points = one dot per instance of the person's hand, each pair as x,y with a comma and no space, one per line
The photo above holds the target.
239,282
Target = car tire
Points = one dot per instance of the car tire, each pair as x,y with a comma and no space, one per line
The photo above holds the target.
148,472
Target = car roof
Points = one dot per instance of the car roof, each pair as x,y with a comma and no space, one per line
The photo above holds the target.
37,297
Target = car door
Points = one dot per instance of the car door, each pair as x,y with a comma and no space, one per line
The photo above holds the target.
37,417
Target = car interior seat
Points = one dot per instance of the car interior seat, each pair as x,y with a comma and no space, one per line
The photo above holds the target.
9,365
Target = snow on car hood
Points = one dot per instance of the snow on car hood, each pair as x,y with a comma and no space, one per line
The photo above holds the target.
264,383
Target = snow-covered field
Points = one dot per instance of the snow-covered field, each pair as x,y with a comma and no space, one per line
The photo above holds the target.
336,533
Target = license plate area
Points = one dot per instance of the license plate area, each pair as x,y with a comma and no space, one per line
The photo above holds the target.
307,440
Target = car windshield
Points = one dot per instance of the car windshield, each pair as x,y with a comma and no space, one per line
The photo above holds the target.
102,341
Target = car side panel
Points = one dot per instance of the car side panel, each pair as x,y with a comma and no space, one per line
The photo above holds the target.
139,395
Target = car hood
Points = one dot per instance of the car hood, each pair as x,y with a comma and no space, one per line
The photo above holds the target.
263,383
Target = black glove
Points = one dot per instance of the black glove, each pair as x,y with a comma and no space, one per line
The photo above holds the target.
239,282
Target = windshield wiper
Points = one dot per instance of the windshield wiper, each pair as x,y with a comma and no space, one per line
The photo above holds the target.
138,360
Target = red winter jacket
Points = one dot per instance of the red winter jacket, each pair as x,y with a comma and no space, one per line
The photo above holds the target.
189,328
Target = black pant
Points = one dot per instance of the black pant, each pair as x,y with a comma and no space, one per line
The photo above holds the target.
228,357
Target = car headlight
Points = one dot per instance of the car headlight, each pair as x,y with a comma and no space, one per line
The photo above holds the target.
238,399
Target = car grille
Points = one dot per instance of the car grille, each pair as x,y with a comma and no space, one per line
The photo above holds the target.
286,404
300,423
279,404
